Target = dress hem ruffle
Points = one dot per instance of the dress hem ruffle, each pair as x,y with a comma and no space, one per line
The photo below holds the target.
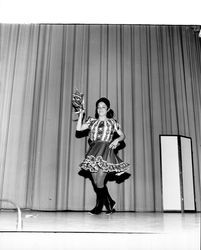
93,164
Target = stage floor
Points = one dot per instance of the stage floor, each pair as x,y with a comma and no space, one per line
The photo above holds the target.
80,230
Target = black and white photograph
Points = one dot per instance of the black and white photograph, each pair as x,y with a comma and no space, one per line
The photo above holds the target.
100,128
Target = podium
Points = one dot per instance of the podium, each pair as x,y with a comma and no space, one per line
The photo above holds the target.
178,191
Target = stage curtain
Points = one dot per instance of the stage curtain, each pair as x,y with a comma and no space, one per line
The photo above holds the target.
150,73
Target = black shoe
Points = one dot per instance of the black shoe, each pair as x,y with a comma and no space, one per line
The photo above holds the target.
110,211
95,211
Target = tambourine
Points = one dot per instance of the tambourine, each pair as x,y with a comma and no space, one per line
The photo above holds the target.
78,101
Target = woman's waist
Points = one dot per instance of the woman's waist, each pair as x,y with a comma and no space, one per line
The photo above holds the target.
100,141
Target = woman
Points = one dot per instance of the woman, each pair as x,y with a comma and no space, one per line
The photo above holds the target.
100,158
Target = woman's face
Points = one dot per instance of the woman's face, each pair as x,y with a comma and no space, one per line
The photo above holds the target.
102,109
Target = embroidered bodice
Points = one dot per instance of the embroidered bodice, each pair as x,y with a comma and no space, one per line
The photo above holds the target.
102,130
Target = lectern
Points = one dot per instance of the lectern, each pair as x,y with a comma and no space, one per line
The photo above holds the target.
178,192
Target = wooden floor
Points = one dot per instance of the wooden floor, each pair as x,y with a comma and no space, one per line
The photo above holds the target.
80,230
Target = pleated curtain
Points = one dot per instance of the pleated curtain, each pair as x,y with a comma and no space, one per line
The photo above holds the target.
150,73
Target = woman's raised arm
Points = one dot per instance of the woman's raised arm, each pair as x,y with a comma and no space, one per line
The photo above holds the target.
81,126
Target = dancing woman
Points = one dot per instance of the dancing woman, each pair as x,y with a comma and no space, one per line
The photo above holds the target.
100,158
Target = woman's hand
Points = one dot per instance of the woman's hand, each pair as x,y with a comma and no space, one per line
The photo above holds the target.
114,144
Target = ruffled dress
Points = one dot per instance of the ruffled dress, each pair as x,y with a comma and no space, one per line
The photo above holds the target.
99,155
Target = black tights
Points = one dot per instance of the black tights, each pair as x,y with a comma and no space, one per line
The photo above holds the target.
102,195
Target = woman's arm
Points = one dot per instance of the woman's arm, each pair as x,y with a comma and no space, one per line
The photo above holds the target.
80,126
121,137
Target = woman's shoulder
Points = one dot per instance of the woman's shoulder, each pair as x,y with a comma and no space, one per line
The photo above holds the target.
112,120
90,119
115,123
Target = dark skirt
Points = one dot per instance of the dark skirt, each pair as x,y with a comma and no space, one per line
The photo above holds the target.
100,156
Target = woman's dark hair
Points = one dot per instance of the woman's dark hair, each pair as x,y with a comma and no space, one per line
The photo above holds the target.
110,112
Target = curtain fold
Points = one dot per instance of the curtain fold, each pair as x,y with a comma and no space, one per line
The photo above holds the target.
150,73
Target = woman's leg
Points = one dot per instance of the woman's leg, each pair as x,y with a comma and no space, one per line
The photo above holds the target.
98,185
99,178
108,201
103,196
